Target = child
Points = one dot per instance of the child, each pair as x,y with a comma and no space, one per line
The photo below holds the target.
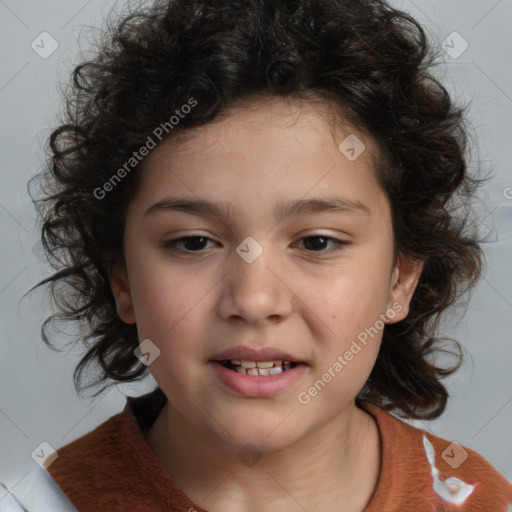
257,201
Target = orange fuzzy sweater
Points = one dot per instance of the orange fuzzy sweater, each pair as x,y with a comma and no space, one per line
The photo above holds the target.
112,468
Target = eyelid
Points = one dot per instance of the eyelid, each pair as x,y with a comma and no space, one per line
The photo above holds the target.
339,244
305,234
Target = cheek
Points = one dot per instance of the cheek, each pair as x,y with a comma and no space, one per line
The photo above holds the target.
165,299
352,305
351,302
351,350
169,313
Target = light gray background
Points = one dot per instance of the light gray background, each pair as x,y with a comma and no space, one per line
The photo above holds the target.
38,402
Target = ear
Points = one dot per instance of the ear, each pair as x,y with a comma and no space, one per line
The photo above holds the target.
405,277
121,290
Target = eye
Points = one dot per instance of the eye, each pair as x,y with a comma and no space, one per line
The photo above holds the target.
189,243
315,243
320,240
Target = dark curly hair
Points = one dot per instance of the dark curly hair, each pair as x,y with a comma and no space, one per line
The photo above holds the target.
370,61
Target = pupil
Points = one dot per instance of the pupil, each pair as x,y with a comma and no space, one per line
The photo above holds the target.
307,241
187,242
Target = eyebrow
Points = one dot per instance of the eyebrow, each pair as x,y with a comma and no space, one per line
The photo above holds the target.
282,210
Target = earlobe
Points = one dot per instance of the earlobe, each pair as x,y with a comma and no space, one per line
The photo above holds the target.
403,284
121,291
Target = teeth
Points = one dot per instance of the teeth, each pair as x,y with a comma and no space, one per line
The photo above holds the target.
265,364
245,367
260,364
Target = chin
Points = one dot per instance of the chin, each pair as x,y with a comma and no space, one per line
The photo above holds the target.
268,434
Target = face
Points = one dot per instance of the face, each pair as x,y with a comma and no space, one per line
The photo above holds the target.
315,284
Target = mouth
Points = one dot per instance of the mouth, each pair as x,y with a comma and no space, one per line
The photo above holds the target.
265,368
257,378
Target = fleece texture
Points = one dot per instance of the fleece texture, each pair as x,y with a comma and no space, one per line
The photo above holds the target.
112,468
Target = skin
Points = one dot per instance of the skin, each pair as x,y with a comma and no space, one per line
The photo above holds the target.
297,297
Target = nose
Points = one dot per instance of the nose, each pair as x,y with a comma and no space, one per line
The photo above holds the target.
257,292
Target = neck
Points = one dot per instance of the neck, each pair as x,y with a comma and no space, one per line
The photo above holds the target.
337,465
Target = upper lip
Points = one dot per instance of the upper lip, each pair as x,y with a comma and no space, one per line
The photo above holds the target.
254,354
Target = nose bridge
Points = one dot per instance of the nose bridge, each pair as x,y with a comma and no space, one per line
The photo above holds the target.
254,289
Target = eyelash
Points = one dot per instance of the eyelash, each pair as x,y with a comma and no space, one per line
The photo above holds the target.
171,244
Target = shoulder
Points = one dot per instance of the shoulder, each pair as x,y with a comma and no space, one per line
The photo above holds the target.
36,492
113,468
87,461
463,476
53,488
454,476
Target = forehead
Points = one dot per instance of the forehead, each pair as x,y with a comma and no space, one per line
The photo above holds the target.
271,150
255,117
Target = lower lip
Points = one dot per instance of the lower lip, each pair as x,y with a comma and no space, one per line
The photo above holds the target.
257,386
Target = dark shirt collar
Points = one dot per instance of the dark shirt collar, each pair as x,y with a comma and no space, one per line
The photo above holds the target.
146,408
